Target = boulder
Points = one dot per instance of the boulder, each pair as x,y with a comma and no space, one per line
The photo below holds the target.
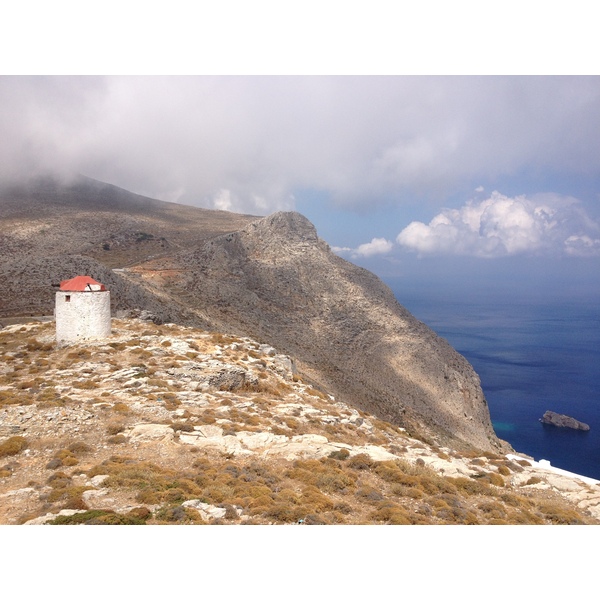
552,418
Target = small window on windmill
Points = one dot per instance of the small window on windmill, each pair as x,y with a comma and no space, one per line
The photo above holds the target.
67,298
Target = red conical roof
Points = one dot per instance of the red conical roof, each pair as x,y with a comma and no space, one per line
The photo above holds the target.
81,283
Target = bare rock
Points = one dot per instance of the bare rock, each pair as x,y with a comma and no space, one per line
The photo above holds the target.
552,418
146,432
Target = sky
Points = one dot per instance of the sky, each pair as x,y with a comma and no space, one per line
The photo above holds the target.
487,176
398,173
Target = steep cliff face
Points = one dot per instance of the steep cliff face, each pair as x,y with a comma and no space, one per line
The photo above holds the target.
277,281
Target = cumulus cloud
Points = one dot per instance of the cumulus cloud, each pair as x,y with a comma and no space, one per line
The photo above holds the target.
544,224
376,246
250,143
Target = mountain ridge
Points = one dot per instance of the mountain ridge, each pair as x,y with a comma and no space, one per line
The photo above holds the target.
271,278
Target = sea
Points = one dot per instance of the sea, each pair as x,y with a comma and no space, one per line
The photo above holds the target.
532,355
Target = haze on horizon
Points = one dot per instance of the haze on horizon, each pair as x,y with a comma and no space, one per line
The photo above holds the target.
455,178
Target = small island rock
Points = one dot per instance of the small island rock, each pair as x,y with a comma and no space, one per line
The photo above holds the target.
552,418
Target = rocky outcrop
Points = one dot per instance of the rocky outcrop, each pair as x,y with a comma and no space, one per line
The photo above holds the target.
552,418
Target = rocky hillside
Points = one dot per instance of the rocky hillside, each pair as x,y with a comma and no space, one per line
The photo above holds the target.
271,279
172,424
46,217
275,280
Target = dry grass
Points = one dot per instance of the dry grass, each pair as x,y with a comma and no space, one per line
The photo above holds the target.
339,489
13,446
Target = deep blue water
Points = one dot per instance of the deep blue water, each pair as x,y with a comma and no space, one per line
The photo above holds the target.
532,355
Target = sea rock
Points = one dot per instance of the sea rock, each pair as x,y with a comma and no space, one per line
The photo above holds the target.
145,432
552,418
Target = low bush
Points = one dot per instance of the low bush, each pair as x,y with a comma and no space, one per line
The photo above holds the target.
103,517
392,514
368,493
87,384
182,426
360,462
405,491
284,512
13,446
181,515
79,448
533,481
66,458
115,426
560,514
341,454
71,494
116,439
471,487
495,479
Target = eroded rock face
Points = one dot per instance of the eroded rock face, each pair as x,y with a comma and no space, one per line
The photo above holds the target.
552,418
277,281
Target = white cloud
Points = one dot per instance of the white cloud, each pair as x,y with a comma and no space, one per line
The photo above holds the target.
223,200
341,249
582,245
503,226
375,247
